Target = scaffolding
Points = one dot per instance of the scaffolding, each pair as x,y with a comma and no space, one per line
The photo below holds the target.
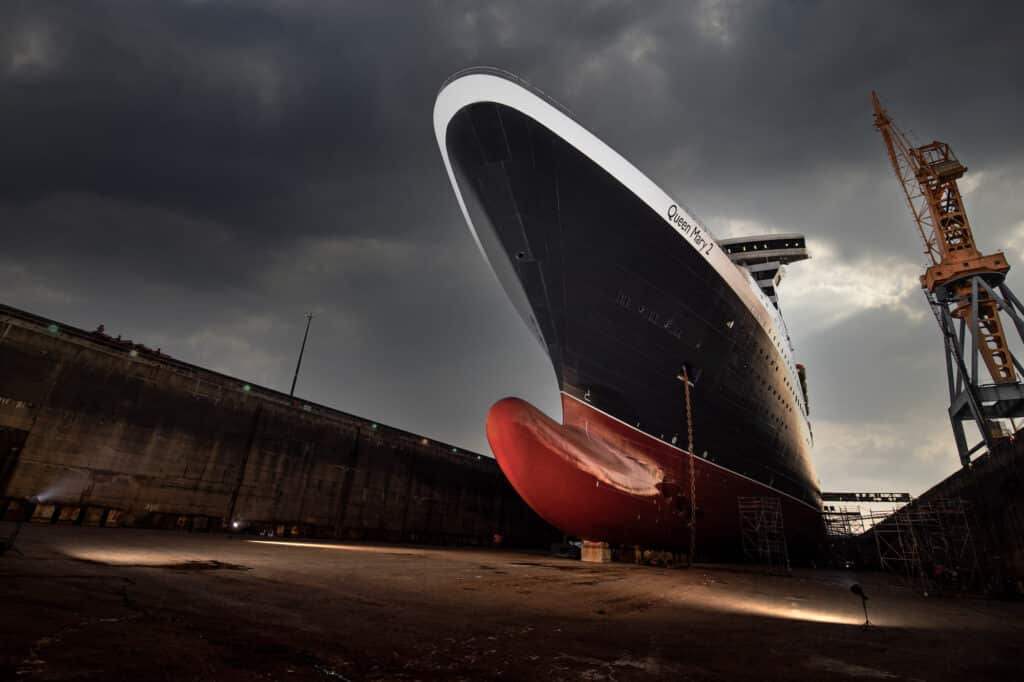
843,523
898,549
930,545
763,533
843,527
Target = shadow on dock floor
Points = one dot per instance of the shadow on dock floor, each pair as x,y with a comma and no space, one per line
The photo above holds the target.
98,604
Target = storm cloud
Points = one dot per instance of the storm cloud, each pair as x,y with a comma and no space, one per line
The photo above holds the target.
198,175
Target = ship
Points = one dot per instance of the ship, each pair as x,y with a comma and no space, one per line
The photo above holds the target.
636,304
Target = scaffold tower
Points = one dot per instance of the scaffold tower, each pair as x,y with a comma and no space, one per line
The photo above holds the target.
931,544
843,528
763,533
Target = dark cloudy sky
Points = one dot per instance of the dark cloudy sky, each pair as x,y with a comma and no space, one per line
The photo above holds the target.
197,175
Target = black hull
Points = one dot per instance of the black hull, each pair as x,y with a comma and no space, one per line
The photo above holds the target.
621,301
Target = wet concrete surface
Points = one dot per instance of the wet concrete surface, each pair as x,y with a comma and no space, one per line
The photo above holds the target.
108,604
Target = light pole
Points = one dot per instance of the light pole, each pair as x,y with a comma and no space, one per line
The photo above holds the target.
309,318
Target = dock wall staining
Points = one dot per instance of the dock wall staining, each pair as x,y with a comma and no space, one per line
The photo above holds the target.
106,432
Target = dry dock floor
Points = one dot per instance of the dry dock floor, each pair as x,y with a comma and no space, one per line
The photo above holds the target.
110,604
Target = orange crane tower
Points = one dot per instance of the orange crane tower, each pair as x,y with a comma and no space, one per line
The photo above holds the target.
965,288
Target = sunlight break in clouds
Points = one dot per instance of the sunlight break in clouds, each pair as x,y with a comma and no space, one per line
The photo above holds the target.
730,228
826,290
865,454
1015,243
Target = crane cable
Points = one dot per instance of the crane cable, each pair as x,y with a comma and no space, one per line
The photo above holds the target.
693,477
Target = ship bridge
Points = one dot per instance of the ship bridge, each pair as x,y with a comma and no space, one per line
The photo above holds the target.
764,255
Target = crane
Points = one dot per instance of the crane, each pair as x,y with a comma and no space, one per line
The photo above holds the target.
966,290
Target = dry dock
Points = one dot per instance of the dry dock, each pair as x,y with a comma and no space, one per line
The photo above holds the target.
106,432
92,604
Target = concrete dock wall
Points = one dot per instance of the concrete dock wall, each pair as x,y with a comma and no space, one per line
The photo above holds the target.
994,490
990,555
108,432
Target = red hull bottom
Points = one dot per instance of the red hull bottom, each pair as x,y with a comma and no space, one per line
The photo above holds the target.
599,479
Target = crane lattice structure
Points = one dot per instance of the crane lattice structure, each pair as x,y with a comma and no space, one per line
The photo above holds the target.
965,289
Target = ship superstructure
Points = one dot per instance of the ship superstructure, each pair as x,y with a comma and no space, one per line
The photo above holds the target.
764,256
